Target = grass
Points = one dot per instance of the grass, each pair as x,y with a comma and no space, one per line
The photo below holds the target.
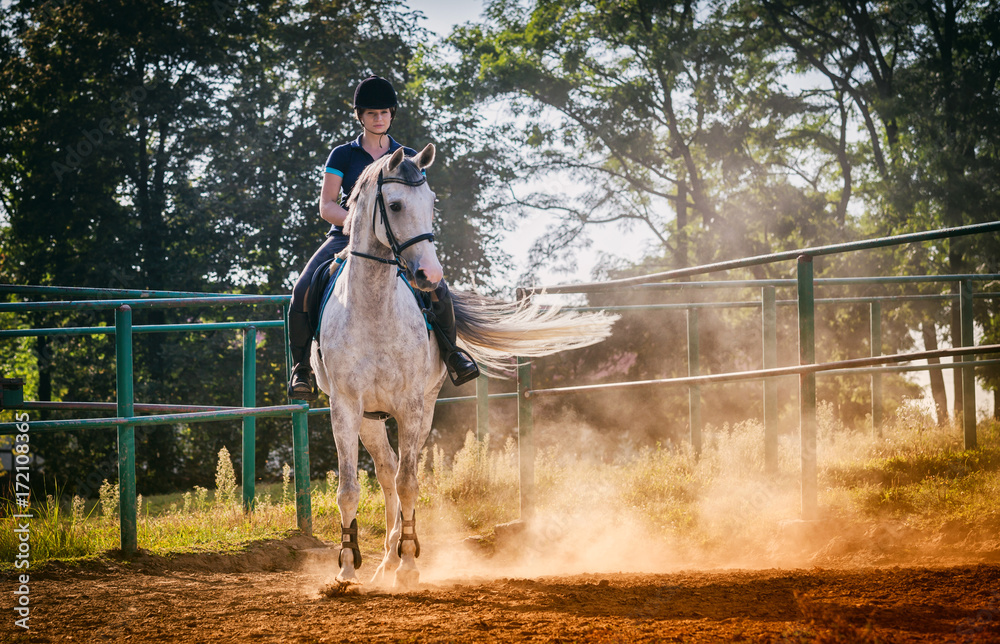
914,474
923,477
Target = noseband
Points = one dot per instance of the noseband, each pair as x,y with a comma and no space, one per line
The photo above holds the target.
394,244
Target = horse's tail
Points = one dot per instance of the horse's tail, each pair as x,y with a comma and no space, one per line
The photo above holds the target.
493,331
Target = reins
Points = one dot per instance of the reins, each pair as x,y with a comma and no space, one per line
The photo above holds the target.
394,244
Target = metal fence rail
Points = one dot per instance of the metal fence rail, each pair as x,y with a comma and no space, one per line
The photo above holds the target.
125,418
771,258
141,328
805,283
761,374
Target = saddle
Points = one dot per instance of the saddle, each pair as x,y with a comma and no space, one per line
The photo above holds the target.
321,284
320,287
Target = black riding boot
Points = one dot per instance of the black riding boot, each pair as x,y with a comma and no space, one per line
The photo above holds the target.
300,386
461,367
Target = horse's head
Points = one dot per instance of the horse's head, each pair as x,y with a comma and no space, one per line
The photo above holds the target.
405,229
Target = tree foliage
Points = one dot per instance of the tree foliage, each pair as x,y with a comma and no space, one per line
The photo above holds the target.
728,129
180,146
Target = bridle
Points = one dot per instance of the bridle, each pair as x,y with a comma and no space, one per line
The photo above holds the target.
394,244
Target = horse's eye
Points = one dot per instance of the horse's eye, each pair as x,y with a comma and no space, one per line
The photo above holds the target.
395,206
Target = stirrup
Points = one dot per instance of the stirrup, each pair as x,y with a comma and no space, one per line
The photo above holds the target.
461,373
349,541
301,387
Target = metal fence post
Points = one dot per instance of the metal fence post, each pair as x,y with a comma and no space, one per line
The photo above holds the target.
875,316
694,391
249,422
525,440
807,388
127,513
300,450
769,324
300,447
482,406
968,371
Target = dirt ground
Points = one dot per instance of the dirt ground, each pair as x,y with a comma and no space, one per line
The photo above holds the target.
271,594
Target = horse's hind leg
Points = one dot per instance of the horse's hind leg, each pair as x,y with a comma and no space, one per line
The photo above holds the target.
377,443
345,433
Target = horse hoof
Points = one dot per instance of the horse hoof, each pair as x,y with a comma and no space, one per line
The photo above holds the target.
381,576
407,579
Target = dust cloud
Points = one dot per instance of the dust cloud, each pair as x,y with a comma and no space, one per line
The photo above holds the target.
661,510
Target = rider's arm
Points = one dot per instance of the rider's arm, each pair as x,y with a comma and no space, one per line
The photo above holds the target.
329,205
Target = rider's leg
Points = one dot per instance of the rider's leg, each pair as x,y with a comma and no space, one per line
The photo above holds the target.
461,367
300,385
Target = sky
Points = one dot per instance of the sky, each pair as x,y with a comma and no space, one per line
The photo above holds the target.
442,15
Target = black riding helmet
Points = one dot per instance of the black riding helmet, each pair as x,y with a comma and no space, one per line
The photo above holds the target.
374,93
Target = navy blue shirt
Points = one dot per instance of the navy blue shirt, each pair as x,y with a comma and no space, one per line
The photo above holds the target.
348,161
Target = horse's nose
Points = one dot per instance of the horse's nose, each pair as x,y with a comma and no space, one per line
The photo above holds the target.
432,273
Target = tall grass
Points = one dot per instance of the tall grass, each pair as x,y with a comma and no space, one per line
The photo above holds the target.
922,476
722,502
477,489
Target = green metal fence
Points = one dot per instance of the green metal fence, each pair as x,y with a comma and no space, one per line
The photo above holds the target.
125,408
807,369
126,420
768,305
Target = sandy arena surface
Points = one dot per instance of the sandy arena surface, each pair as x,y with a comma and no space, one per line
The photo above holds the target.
272,595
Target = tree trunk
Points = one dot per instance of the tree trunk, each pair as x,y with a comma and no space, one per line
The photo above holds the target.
845,164
929,331
681,260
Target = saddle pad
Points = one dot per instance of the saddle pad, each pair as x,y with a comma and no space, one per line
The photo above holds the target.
324,279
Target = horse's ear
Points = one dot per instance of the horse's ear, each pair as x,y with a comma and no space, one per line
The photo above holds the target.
396,159
426,157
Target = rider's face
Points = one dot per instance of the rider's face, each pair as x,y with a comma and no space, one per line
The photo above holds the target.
376,121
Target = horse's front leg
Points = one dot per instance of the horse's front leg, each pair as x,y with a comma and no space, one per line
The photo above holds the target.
377,443
345,422
412,436
408,547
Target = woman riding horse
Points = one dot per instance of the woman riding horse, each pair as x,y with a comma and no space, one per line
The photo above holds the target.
375,107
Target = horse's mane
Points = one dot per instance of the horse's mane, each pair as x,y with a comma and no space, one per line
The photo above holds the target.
364,189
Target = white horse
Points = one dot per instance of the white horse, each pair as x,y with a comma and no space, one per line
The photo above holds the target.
375,353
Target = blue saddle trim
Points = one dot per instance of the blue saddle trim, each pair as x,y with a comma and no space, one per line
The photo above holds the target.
417,295
328,291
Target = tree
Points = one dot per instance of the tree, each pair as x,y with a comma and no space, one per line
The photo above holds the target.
924,78
653,108
181,146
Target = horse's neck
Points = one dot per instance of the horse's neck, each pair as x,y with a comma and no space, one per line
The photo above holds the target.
371,285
